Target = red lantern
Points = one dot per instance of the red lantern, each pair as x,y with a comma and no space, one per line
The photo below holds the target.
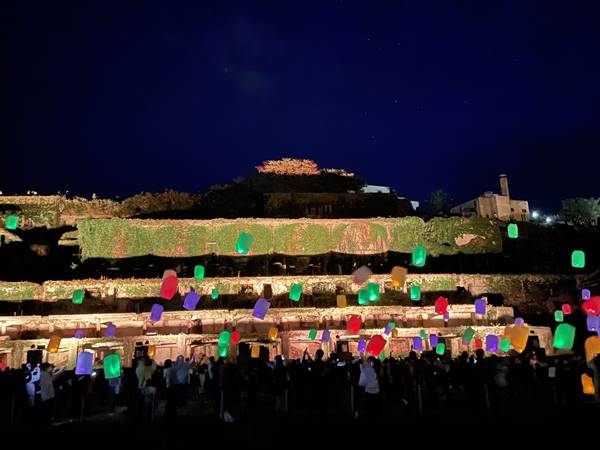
566,308
375,345
441,305
354,324
478,343
235,337
168,287
592,306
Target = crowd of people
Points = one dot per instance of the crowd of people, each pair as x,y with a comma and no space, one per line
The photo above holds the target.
361,387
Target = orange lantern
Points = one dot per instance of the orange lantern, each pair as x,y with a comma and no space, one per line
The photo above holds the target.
398,276
54,344
273,333
395,332
518,337
592,347
587,384
152,351
255,351
341,301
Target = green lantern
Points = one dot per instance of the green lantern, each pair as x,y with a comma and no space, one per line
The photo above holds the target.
373,291
223,351
415,293
12,222
468,335
423,334
112,366
440,349
578,259
242,246
214,294
363,297
382,356
419,255
392,325
78,295
312,334
296,292
505,345
513,230
558,316
564,336
199,272
224,338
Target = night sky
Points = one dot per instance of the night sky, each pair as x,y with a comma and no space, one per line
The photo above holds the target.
127,96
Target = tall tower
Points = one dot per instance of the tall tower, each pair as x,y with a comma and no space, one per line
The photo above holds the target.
504,185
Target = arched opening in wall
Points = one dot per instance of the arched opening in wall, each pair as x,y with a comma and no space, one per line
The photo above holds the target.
495,299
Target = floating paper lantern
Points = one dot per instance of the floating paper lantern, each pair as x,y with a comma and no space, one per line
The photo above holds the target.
78,333
341,301
152,351
223,351
382,355
84,364
519,321
111,330
592,306
362,274
505,345
564,336
446,316
392,325
11,222
255,352
387,330
587,384
480,305
415,293
578,259
354,323
54,344
363,297
325,336
585,294
419,256
417,344
168,288
519,335
214,294
312,334
78,295
191,301
566,308
468,334
433,340
243,244
375,345
478,343
362,345
273,333
235,337
156,312
441,305
395,332
260,308
199,272
169,273
296,292
491,343
593,323
373,290
440,349
423,334
558,316
592,347
398,276
513,230
112,366
224,338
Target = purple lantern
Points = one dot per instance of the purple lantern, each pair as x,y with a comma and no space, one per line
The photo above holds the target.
491,343
446,316
593,323
362,274
191,300
78,333
156,312
111,330
362,345
417,343
519,321
260,308
433,340
325,336
85,363
480,307
387,330
585,294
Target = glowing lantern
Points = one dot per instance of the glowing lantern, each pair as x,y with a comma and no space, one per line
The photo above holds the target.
79,333
325,336
566,308
12,222
354,323
78,295
214,294
156,312
588,384
480,307
417,344
564,336
373,290
395,332
491,343
168,287
382,355
446,316
169,273
362,345
433,340
415,293
505,345
419,256
242,246
441,305
235,337
398,276
375,345
440,349
513,231
273,333
223,351
111,330
54,344
423,334
224,338
112,366
578,259
260,308
312,334
191,301
341,300
519,336
387,330
592,306
558,316
296,292
468,334
519,321
85,363
478,343
391,325
199,272
152,351
585,294
362,274
255,353
363,297
593,323
592,347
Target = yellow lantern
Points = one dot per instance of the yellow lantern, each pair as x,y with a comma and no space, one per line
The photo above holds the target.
54,344
273,333
152,351
587,384
592,347
518,337
255,351
341,301
398,276
395,332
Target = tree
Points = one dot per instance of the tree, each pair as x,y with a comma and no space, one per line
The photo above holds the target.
581,211
438,203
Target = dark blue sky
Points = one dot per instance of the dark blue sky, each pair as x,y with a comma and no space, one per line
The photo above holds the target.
119,97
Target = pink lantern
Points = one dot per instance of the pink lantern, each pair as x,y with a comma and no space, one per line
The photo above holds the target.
362,274
566,308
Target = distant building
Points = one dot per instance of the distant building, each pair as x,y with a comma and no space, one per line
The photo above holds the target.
372,189
495,206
